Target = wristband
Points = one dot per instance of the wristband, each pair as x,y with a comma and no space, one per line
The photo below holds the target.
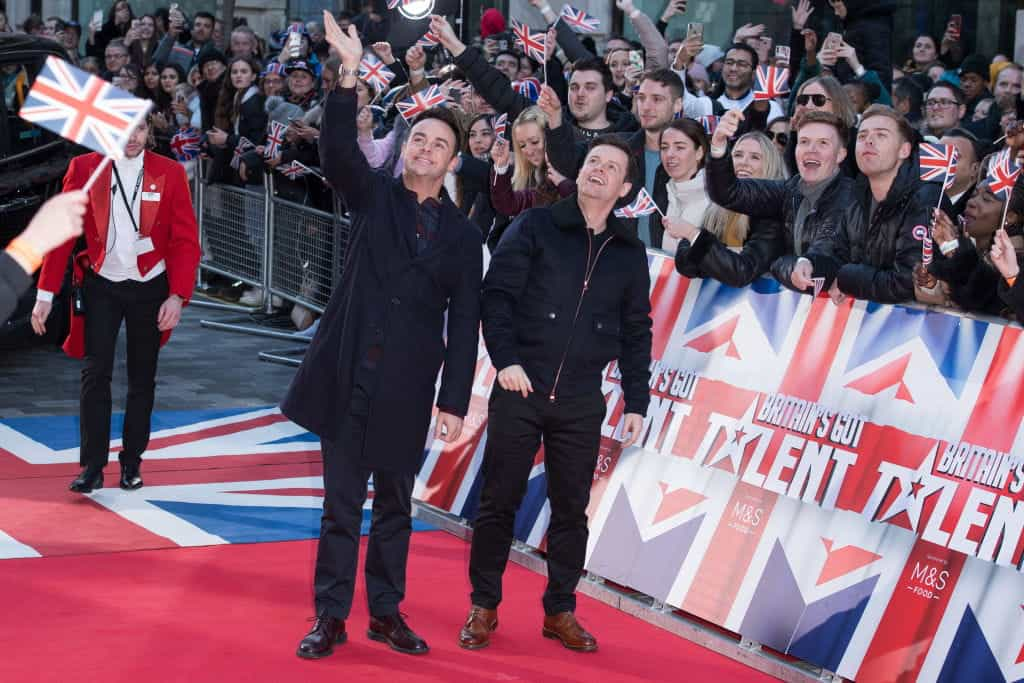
718,152
860,71
545,9
1010,281
501,170
948,247
417,73
24,254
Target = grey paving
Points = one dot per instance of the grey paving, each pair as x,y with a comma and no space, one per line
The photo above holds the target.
199,368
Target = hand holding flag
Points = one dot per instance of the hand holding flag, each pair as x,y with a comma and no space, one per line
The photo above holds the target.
185,144
374,71
643,205
243,146
938,163
429,39
500,125
534,44
275,138
528,88
710,123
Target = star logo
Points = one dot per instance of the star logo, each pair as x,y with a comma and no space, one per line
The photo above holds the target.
739,434
915,486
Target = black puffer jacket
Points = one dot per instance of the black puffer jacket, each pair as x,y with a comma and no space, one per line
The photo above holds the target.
973,281
875,255
536,315
779,200
708,257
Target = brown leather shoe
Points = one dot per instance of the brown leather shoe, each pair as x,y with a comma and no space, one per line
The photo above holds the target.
476,633
564,627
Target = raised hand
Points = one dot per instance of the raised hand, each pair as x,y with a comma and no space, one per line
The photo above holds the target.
727,127
500,153
444,31
1004,256
551,106
415,58
383,50
942,227
626,6
673,8
348,46
849,53
801,13
743,33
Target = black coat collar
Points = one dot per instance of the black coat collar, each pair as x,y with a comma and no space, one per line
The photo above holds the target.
567,216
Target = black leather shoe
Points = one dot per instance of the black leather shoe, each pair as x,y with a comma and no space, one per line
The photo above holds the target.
393,630
130,478
327,632
89,479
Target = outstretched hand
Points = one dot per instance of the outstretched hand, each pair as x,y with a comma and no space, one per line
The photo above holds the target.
348,46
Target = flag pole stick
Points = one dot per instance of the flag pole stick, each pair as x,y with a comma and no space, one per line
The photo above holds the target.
96,174
1006,208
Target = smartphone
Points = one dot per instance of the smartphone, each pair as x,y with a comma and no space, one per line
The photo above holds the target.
97,18
636,59
695,29
833,41
502,44
135,24
956,24
294,44
782,53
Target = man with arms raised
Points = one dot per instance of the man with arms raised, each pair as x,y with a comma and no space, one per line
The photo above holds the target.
566,293
366,385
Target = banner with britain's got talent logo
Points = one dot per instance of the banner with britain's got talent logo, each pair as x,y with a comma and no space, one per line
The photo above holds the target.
841,483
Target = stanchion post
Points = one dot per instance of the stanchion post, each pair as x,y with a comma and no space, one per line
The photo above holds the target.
268,240
197,200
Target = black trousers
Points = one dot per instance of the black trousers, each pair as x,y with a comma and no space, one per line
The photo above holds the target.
337,556
571,432
107,304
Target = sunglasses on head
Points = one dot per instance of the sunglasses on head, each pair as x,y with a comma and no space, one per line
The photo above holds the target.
818,99
782,138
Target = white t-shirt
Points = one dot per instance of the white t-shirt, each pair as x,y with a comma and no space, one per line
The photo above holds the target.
774,109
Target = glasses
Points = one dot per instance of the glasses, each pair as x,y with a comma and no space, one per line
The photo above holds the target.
940,104
116,55
781,138
738,63
818,99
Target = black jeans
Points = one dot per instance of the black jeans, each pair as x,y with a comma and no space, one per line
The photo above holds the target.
107,303
571,431
337,555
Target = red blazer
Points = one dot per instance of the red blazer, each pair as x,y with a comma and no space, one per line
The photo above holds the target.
167,216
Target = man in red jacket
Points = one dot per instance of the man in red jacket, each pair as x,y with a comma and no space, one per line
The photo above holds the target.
139,266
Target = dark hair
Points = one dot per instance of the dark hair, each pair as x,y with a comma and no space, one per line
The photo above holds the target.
162,99
204,15
976,145
829,119
59,23
958,94
113,10
595,64
907,89
618,143
668,78
746,48
693,130
229,102
906,130
515,55
447,117
469,126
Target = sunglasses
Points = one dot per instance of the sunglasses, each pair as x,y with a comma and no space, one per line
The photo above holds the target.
818,99
781,138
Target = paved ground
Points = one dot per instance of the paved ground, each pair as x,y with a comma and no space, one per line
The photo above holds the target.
199,368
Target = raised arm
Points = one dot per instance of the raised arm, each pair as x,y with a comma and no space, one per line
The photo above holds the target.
655,47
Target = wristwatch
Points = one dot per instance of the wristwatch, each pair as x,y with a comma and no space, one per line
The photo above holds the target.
342,72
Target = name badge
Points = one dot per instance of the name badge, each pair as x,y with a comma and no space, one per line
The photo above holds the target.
143,245
150,196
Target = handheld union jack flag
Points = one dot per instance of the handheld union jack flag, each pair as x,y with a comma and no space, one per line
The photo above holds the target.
294,170
243,146
1002,175
938,162
83,108
579,21
372,70
771,82
419,102
710,123
533,43
185,144
643,205
429,39
528,88
500,125
275,138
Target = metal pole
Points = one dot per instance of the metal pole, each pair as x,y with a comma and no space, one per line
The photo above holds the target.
197,178
268,237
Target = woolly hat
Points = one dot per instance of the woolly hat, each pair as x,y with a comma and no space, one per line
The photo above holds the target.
697,72
491,22
975,64
709,55
211,54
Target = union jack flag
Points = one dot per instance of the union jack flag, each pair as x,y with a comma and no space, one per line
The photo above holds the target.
938,162
296,27
275,138
374,71
710,123
185,144
83,108
429,39
1002,175
528,88
500,125
294,170
771,82
533,43
579,21
643,205
243,146
419,102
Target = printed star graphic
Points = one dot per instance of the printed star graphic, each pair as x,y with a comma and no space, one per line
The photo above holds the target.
915,487
737,436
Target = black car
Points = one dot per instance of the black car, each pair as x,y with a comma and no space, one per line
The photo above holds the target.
32,165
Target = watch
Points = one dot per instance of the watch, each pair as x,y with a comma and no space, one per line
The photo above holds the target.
343,72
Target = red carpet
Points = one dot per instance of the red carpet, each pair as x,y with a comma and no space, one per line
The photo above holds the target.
237,612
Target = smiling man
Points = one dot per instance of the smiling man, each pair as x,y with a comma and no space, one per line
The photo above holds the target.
565,294
816,202
408,302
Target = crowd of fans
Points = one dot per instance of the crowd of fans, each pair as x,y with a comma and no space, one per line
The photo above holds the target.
819,186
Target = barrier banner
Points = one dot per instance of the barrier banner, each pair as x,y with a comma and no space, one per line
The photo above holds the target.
840,483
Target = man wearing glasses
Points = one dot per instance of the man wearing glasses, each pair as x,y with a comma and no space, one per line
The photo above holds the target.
943,109
738,76
115,57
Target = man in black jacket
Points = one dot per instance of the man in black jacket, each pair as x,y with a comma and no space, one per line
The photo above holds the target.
566,293
816,202
366,385
873,257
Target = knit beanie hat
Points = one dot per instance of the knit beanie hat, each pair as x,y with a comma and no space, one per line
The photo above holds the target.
491,22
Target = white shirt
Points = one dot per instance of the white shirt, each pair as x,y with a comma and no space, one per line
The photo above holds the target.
121,261
774,110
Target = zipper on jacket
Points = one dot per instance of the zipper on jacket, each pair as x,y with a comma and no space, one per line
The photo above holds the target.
588,273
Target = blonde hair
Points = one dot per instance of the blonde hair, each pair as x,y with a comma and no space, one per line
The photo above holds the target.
524,176
731,227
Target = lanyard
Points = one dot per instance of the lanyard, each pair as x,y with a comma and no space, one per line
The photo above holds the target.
124,197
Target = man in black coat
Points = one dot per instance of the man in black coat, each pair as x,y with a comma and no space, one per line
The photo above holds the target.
367,383
565,294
